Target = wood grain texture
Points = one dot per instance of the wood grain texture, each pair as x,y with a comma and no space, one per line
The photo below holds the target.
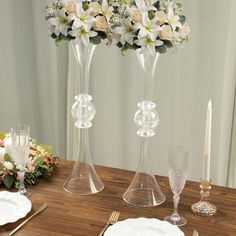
72,215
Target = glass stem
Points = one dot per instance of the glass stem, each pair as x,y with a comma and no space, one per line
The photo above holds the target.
175,215
22,185
144,154
83,151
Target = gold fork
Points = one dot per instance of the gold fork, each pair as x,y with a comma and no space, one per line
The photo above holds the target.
112,220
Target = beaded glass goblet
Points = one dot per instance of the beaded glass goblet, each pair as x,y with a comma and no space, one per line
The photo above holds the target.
178,163
20,135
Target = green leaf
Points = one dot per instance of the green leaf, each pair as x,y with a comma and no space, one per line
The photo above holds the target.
85,5
182,19
8,158
3,135
168,44
39,161
8,180
102,34
95,40
47,148
151,14
1,167
161,49
157,5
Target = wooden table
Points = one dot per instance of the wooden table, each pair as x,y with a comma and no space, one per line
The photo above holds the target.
69,214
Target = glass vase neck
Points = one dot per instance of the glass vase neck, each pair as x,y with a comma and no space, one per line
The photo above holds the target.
83,55
148,64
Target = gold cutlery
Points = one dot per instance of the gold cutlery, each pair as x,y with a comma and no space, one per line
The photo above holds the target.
112,220
195,233
41,208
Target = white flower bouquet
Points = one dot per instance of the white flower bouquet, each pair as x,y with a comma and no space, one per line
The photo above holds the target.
81,21
41,162
152,25
149,25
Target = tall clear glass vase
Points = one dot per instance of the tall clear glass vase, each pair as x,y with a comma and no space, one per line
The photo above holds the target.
83,180
144,190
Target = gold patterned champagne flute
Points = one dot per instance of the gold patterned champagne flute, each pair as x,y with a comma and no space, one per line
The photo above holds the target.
178,164
20,135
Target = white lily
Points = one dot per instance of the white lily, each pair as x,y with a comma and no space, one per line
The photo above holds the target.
126,31
148,27
147,44
59,22
142,6
82,18
173,19
81,34
106,10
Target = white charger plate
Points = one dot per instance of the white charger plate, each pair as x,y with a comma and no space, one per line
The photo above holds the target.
143,227
13,206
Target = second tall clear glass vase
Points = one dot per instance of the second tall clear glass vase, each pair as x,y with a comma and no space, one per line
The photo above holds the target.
144,190
83,180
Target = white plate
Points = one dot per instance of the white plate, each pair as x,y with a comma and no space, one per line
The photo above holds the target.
143,227
13,206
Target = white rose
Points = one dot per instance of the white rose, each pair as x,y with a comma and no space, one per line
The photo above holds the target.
8,165
184,30
136,16
70,6
162,17
95,8
100,23
166,33
8,147
2,153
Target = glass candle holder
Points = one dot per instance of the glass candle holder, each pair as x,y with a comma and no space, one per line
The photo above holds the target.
204,207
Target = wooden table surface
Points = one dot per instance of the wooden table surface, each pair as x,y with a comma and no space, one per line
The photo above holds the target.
69,214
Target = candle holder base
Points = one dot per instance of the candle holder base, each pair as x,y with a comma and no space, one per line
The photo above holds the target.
204,207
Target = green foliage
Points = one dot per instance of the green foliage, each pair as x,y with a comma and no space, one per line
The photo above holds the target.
8,158
161,49
3,135
85,5
47,148
151,14
39,161
102,34
8,180
95,40
1,167
182,19
168,43
157,5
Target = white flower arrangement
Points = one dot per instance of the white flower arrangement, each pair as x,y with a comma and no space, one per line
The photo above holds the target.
150,25
81,21
41,162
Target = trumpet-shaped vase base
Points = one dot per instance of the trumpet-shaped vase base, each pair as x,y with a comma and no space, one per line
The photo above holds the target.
144,191
83,180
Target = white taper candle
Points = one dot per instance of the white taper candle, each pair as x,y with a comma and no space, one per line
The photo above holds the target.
207,147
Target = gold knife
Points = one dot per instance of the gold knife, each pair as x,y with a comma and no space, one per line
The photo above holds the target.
43,207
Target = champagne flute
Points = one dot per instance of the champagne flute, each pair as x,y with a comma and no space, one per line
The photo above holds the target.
20,135
178,164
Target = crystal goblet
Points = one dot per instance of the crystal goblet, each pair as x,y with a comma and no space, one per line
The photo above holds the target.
20,135
178,164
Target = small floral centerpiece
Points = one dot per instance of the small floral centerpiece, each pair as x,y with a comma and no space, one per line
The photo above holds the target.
83,21
41,162
152,25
